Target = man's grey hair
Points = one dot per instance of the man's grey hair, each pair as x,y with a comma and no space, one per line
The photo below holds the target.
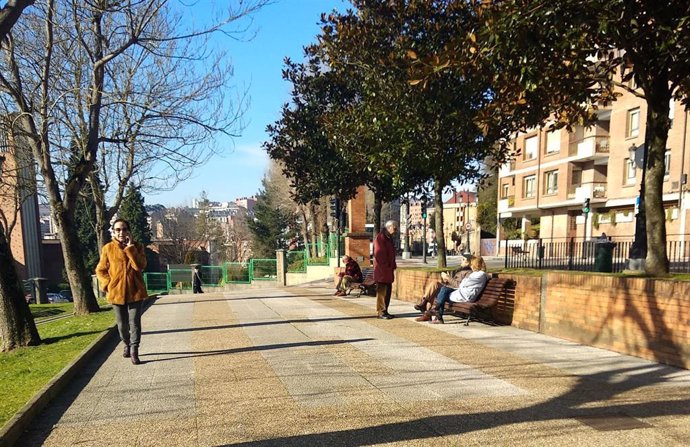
391,223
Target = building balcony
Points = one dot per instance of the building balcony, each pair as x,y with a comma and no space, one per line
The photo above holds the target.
590,191
505,204
590,148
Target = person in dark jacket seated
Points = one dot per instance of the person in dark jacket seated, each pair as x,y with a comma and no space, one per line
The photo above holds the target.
468,291
350,275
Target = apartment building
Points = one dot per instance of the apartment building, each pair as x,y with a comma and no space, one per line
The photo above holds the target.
19,203
460,217
555,172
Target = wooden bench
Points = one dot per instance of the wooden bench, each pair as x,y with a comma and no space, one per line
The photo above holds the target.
494,291
367,284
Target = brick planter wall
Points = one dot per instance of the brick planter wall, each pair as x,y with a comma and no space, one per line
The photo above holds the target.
636,316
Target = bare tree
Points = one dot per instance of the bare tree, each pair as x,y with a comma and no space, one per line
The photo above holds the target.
178,235
56,72
9,14
17,184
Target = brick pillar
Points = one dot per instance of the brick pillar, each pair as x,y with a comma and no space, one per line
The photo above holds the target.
357,240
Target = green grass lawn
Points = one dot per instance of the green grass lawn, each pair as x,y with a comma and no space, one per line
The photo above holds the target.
43,312
24,371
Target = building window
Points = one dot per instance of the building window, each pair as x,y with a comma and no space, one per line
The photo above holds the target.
551,182
528,187
531,147
667,164
633,123
553,141
505,188
630,172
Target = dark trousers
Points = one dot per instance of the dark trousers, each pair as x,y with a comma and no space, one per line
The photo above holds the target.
383,297
128,318
197,288
442,298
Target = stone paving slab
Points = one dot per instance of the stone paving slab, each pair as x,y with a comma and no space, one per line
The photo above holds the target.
298,367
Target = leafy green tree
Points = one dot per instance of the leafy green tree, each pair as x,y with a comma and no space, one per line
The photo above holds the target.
85,218
272,225
411,133
564,59
487,202
133,209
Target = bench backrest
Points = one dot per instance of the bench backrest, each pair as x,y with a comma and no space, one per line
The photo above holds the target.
368,275
493,291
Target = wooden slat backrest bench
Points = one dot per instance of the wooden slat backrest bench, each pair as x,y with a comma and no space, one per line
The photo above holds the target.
494,291
366,285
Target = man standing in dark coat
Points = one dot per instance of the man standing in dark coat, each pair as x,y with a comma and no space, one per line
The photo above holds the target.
384,268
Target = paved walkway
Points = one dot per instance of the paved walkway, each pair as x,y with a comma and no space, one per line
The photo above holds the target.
299,367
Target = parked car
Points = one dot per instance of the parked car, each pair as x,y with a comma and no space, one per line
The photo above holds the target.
66,294
57,298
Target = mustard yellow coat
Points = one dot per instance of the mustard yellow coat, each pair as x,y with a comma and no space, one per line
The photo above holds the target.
120,273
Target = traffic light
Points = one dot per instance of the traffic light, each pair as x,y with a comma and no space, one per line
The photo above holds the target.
585,206
335,207
423,209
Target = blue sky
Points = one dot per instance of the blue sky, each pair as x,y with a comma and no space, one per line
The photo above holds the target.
282,29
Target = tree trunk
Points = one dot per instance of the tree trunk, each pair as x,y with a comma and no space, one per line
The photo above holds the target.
440,237
79,280
378,204
305,231
314,230
656,136
17,327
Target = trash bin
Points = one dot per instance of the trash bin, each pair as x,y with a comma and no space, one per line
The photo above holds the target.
603,261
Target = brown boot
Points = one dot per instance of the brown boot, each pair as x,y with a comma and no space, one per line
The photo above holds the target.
422,306
426,316
125,352
134,352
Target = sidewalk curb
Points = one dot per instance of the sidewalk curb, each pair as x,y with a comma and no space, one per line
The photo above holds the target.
20,422
13,429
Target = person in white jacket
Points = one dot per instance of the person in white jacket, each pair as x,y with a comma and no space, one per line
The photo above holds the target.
468,291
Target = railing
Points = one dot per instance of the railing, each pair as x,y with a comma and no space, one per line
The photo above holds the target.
238,272
156,282
180,277
590,255
589,146
296,261
264,269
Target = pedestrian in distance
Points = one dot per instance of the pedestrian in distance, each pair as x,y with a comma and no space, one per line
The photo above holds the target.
384,268
120,276
196,281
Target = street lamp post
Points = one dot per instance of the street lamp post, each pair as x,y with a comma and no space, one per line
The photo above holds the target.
638,250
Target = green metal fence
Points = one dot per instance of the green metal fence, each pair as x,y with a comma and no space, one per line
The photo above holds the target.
156,282
263,269
180,278
319,253
212,275
238,272
296,261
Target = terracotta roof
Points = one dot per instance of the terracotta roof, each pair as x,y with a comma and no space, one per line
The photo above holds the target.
462,197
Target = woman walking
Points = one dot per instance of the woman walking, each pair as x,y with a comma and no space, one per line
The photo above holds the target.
120,276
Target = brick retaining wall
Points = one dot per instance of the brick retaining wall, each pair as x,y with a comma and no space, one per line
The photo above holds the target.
637,316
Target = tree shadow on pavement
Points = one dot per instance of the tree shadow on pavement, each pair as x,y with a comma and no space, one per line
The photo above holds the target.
188,354
576,404
257,323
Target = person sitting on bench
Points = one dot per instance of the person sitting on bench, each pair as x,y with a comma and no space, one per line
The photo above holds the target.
447,280
468,291
351,274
